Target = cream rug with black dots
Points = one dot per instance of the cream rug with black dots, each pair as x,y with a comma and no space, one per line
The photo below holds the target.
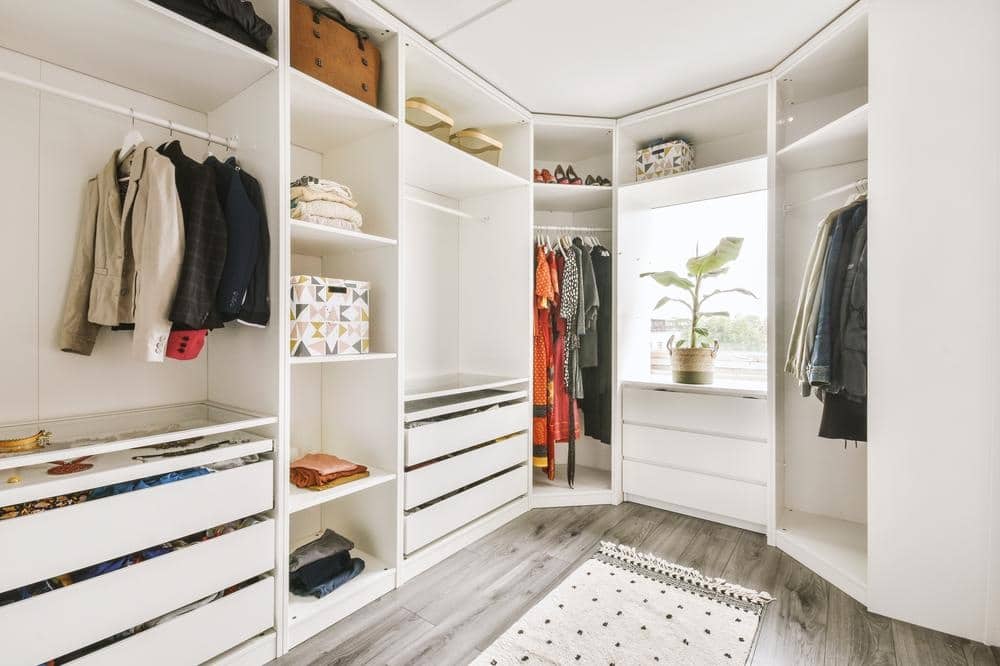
624,607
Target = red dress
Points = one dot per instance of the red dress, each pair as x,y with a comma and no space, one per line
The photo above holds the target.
543,447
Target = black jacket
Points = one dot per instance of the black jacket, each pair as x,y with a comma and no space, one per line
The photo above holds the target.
233,18
242,240
256,310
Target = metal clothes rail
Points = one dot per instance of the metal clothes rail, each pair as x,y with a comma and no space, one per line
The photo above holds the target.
860,186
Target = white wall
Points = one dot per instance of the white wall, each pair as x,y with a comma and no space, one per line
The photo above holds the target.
933,313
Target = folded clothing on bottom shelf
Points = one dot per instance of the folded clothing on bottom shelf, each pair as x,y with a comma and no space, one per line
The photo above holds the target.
324,202
319,471
322,565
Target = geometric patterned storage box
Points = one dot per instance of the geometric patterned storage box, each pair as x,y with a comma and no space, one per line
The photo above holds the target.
329,316
664,158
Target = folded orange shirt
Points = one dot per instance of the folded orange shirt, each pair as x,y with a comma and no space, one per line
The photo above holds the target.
317,469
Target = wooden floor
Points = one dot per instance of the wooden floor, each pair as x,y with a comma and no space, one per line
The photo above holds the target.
454,610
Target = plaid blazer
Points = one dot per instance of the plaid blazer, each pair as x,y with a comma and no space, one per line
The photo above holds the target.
205,235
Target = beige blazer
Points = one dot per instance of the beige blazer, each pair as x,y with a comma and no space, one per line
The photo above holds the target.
128,256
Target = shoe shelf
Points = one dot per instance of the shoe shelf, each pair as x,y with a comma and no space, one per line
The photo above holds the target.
571,198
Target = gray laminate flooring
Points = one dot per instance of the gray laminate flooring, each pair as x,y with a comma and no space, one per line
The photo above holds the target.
457,608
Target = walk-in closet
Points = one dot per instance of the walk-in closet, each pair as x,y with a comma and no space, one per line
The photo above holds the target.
389,332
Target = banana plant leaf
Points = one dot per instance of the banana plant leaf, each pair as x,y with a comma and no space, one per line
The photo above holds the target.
670,279
726,251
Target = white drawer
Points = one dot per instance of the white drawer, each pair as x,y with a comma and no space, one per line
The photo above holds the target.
725,497
426,525
719,414
58,622
434,440
740,458
84,534
197,636
442,477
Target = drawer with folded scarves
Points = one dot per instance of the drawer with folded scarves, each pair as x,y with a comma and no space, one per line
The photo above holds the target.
127,501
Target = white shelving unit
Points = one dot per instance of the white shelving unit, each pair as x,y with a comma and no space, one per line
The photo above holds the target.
571,198
317,240
341,358
841,141
590,486
457,384
300,499
835,549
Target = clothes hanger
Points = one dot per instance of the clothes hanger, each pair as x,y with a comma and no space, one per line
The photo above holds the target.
132,139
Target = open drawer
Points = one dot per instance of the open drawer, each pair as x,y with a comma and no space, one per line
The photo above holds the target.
442,477
439,438
197,636
447,515
55,542
56,623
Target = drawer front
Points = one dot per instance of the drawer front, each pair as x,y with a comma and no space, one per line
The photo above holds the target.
740,458
435,521
439,439
725,497
442,477
719,414
102,529
58,622
197,636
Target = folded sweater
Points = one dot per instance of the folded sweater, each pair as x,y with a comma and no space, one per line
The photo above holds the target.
331,209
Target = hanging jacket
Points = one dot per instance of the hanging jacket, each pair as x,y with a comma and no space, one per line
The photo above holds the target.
128,256
256,310
851,368
242,239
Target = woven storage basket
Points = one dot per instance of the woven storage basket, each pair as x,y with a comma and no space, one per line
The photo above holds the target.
427,117
476,142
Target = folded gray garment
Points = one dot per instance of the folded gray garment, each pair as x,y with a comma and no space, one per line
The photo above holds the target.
329,544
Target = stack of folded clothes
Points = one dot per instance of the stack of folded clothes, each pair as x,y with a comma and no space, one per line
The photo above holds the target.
235,19
324,202
319,471
321,566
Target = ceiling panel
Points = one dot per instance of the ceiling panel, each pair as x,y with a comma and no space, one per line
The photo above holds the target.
591,58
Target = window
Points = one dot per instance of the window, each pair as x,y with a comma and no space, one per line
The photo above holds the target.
669,237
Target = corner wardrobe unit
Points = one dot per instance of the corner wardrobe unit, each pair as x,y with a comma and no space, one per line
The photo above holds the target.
69,74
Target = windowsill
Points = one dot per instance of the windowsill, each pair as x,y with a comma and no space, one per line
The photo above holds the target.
746,389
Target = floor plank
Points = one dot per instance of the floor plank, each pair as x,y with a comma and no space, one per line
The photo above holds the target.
754,564
711,548
671,537
855,636
793,630
916,645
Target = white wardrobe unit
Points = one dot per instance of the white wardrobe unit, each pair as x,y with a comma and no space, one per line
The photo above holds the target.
577,210
465,239
700,450
820,121
80,72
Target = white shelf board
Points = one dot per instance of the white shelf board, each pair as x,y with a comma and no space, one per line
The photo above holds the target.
303,498
435,166
427,408
117,466
835,549
572,198
732,178
138,45
99,434
744,389
318,240
308,615
324,118
340,358
590,486
841,141
445,385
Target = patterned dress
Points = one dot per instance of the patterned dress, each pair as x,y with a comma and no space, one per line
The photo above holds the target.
542,370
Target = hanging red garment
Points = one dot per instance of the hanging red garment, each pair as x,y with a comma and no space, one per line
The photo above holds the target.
561,402
542,372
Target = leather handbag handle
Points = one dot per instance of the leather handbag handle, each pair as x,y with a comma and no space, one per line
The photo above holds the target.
337,16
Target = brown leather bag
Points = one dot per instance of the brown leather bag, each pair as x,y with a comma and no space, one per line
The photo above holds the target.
326,47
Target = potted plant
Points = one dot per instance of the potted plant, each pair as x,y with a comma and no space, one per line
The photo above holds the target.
693,357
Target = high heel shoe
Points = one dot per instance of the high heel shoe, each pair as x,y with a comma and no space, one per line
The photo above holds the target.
571,176
546,176
561,175
592,181
538,176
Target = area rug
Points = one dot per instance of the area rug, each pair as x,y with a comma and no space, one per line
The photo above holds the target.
625,607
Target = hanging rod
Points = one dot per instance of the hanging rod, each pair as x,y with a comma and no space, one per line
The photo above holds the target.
860,186
445,209
229,142
590,229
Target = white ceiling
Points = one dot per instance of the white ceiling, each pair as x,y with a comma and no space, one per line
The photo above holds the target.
609,59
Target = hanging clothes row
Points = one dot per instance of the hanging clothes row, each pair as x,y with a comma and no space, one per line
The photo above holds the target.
169,248
572,348
828,348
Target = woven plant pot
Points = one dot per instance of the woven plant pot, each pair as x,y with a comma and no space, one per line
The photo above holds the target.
694,366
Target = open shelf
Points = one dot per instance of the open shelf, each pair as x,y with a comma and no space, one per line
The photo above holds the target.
158,52
118,431
427,408
590,486
739,177
841,141
340,358
324,118
446,385
737,388
435,166
303,498
308,615
571,198
835,549
319,240
117,466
